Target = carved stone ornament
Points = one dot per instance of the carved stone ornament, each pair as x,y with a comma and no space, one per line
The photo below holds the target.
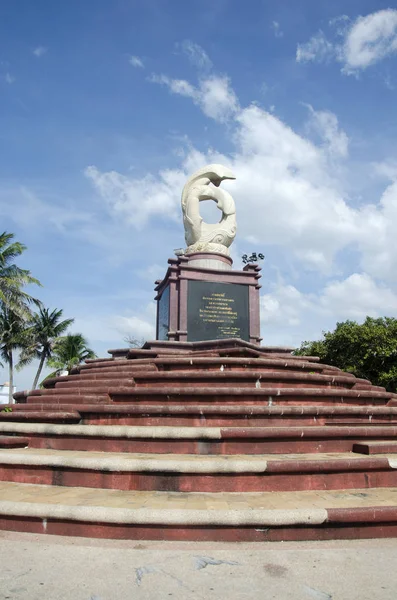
201,236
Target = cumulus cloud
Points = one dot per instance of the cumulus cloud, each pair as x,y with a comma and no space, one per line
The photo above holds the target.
289,316
214,94
361,44
287,188
317,49
136,200
136,62
135,327
326,125
370,39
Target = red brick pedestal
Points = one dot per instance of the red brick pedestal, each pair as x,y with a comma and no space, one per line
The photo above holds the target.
177,298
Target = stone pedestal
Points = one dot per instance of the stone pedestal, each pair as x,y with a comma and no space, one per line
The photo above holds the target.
202,298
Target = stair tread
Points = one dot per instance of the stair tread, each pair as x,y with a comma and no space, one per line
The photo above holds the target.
193,463
198,432
245,409
238,508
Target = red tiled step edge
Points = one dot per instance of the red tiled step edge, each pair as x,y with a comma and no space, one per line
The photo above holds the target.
40,416
223,415
199,440
194,362
198,525
377,447
272,395
214,474
13,441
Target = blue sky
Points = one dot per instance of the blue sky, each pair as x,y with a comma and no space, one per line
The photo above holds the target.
107,107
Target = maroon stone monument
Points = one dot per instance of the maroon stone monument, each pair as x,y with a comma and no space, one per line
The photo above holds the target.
201,297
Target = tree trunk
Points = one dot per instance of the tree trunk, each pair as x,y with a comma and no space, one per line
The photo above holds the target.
11,376
41,365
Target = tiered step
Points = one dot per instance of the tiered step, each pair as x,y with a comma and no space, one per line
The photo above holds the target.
268,516
198,440
184,473
145,443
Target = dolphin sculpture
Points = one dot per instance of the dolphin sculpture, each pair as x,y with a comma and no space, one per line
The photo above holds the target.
204,185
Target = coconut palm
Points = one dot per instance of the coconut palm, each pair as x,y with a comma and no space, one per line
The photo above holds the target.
13,278
45,328
68,352
14,335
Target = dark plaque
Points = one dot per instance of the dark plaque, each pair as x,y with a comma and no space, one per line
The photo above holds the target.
163,315
216,311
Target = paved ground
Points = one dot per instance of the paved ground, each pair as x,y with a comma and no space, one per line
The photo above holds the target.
54,568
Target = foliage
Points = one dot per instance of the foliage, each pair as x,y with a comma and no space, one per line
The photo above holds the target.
14,335
13,278
68,352
45,328
368,350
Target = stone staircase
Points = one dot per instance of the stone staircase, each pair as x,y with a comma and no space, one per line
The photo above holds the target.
218,440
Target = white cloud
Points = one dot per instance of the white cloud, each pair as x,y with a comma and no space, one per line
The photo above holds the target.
317,49
214,95
287,191
358,296
276,29
217,99
196,54
289,316
136,200
136,62
361,44
9,78
135,327
39,51
326,125
370,39
176,86
152,272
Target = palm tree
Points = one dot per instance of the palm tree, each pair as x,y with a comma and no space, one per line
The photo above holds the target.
68,352
45,328
13,278
14,335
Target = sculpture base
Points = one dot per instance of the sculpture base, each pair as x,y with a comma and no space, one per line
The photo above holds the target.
201,298
207,248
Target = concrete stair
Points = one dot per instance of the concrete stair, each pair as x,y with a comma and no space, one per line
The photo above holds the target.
266,516
143,444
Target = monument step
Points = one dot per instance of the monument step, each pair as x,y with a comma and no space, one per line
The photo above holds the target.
40,416
206,419
87,387
378,447
275,516
268,394
71,399
188,473
197,440
222,415
110,363
258,378
193,362
11,441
